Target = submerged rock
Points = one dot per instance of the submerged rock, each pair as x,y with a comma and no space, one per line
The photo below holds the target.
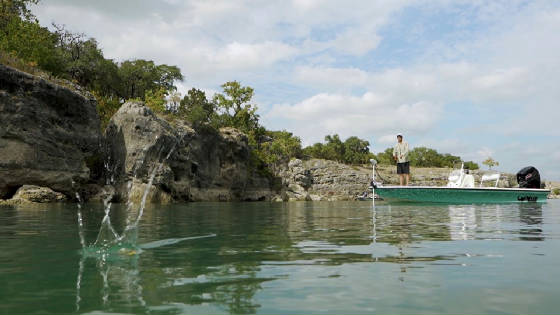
37,194
33,193
49,134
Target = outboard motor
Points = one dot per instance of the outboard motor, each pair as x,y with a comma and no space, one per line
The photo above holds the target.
529,177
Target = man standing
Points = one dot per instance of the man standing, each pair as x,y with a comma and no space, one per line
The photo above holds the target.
400,154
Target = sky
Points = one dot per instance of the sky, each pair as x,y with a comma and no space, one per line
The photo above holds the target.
472,78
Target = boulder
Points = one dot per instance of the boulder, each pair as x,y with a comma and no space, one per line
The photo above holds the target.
49,134
182,164
31,193
34,194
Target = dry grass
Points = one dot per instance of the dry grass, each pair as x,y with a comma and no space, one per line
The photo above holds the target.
31,68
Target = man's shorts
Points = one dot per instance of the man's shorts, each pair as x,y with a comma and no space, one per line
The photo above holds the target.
403,168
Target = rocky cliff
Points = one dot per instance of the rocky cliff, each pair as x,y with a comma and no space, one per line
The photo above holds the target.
49,134
186,165
321,180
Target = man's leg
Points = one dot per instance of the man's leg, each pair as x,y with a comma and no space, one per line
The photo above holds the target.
401,178
407,178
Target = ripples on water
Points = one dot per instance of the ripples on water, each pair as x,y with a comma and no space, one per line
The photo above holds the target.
308,257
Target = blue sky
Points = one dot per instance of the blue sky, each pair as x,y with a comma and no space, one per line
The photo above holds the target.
470,78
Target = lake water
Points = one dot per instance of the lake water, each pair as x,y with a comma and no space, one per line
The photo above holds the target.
286,258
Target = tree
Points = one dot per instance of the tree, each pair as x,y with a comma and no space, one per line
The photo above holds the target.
490,162
471,165
234,107
281,147
334,148
30,42
352,151
314,151
356,151
155,100
195,108
385,157
107,106
15,8
139,76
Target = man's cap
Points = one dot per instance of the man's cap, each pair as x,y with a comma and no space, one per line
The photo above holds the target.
399,134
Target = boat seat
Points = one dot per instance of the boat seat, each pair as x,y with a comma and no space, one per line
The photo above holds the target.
468,181
488,177
455,179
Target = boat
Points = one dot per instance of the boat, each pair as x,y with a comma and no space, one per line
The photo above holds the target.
461,189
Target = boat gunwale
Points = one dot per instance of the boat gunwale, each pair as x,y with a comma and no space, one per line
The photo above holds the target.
465,188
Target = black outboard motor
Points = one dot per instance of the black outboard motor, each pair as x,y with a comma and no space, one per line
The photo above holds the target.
529,177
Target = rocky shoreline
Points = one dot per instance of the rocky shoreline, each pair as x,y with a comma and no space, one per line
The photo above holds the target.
51,147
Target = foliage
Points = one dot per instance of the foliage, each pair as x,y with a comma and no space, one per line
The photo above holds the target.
15,8
425,157
281,147
490,162
386,157
107,106
139,76
34,44
356,151
471,165
195,108
352,151
234,109
155,100
556,191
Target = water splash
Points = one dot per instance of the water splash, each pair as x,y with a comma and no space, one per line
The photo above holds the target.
116,253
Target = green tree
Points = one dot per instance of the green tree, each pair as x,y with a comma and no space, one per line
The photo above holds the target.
30,42
139,76
196,108
352,151
385,157
356,151
314,151
281,147
234,107
490,162
15,8
334,148
155,100
107,106
471,165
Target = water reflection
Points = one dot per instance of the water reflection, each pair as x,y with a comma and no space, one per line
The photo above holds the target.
531,215
256,248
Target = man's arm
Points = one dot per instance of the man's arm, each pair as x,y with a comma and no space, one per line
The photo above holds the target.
405,151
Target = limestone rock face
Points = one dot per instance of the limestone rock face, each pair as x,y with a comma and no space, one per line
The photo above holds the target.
322,180
49,133
182,164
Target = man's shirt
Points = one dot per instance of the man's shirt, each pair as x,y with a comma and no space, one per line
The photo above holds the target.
401,151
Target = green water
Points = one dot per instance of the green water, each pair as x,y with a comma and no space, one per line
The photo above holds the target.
286,258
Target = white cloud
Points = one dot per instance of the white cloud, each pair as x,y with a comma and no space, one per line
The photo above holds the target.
331,78
387,139
348,115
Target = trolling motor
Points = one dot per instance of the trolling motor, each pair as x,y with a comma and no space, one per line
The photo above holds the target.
373,183
529,177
